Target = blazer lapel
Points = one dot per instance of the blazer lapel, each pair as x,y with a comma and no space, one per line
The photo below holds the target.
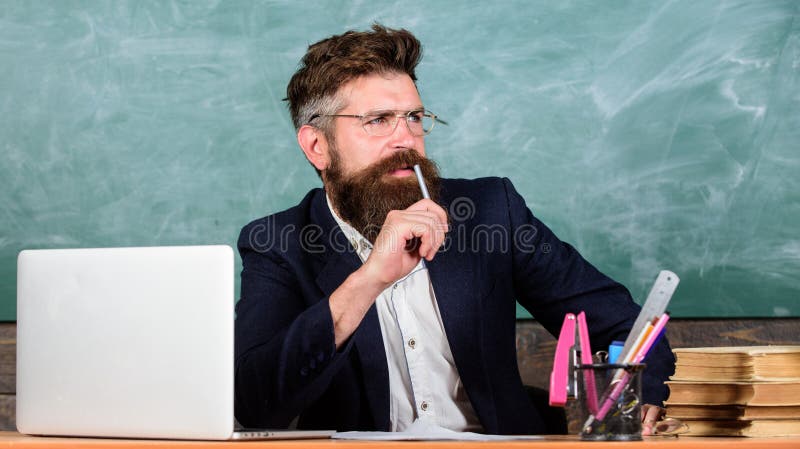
337,265
453,274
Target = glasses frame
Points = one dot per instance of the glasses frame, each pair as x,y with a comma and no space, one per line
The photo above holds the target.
396,115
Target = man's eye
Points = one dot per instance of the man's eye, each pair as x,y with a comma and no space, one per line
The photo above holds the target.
416,116
375,120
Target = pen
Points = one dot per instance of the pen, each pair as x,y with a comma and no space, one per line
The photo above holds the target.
421,181
637,358
637,346
652,338
413,244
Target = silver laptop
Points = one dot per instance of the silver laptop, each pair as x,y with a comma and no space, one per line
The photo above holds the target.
128,342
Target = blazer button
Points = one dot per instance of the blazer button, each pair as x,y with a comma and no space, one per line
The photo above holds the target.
304,371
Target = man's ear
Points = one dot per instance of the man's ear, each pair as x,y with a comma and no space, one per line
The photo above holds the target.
314,146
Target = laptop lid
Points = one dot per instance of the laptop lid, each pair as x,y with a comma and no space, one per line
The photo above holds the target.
126,342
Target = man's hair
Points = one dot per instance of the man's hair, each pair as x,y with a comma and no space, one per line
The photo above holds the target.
337,60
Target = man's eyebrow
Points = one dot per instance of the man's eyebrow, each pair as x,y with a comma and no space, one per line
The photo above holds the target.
394,111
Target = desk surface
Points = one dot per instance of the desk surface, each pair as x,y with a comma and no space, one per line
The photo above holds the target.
15,440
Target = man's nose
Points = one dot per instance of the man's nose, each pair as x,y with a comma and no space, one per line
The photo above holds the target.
401,136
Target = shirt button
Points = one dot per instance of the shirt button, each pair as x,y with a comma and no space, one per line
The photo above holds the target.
424,406
412,343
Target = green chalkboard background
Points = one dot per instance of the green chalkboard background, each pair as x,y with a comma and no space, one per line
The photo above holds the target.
649,134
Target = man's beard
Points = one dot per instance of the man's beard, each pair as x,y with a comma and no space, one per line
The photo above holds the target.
364,198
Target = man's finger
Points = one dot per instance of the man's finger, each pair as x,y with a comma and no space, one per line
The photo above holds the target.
424,234
650,416
413,244
426,205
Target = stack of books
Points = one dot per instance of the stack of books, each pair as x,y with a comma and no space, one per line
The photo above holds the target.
737,391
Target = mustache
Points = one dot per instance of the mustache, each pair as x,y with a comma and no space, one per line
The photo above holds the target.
396,161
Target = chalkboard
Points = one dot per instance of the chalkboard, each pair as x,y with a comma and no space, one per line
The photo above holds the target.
648,134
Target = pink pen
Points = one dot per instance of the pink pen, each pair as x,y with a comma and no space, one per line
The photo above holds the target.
637,358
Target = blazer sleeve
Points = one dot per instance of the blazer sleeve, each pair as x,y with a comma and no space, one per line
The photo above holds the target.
285,350
551,279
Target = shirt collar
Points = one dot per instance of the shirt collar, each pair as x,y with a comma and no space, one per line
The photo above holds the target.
360,243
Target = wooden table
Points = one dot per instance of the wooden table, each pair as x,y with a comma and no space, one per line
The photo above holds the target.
15,440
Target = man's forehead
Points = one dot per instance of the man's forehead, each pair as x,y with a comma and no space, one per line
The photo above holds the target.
380,92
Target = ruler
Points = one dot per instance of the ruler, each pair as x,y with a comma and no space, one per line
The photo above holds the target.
654,306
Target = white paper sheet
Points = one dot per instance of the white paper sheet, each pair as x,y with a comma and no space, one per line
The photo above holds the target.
423,430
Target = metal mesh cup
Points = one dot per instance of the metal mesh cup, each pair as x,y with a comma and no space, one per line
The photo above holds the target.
621,413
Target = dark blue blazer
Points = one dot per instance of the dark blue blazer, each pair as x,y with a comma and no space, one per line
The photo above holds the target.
496,251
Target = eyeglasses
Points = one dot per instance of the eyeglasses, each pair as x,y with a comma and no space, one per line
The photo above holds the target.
383,123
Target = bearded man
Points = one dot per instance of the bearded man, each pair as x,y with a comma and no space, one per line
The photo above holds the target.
366,307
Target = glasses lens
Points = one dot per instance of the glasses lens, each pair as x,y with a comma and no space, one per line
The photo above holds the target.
419,122
379,124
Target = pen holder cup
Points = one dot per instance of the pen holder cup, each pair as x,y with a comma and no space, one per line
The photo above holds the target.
609,398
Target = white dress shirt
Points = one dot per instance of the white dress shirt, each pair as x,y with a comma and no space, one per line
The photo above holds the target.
423,380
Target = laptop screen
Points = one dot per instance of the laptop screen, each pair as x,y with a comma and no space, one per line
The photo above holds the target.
126,342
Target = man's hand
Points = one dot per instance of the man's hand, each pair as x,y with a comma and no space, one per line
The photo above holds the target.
394,254
650,416
406,237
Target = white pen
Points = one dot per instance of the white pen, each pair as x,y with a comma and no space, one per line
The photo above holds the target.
421,181
414,243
